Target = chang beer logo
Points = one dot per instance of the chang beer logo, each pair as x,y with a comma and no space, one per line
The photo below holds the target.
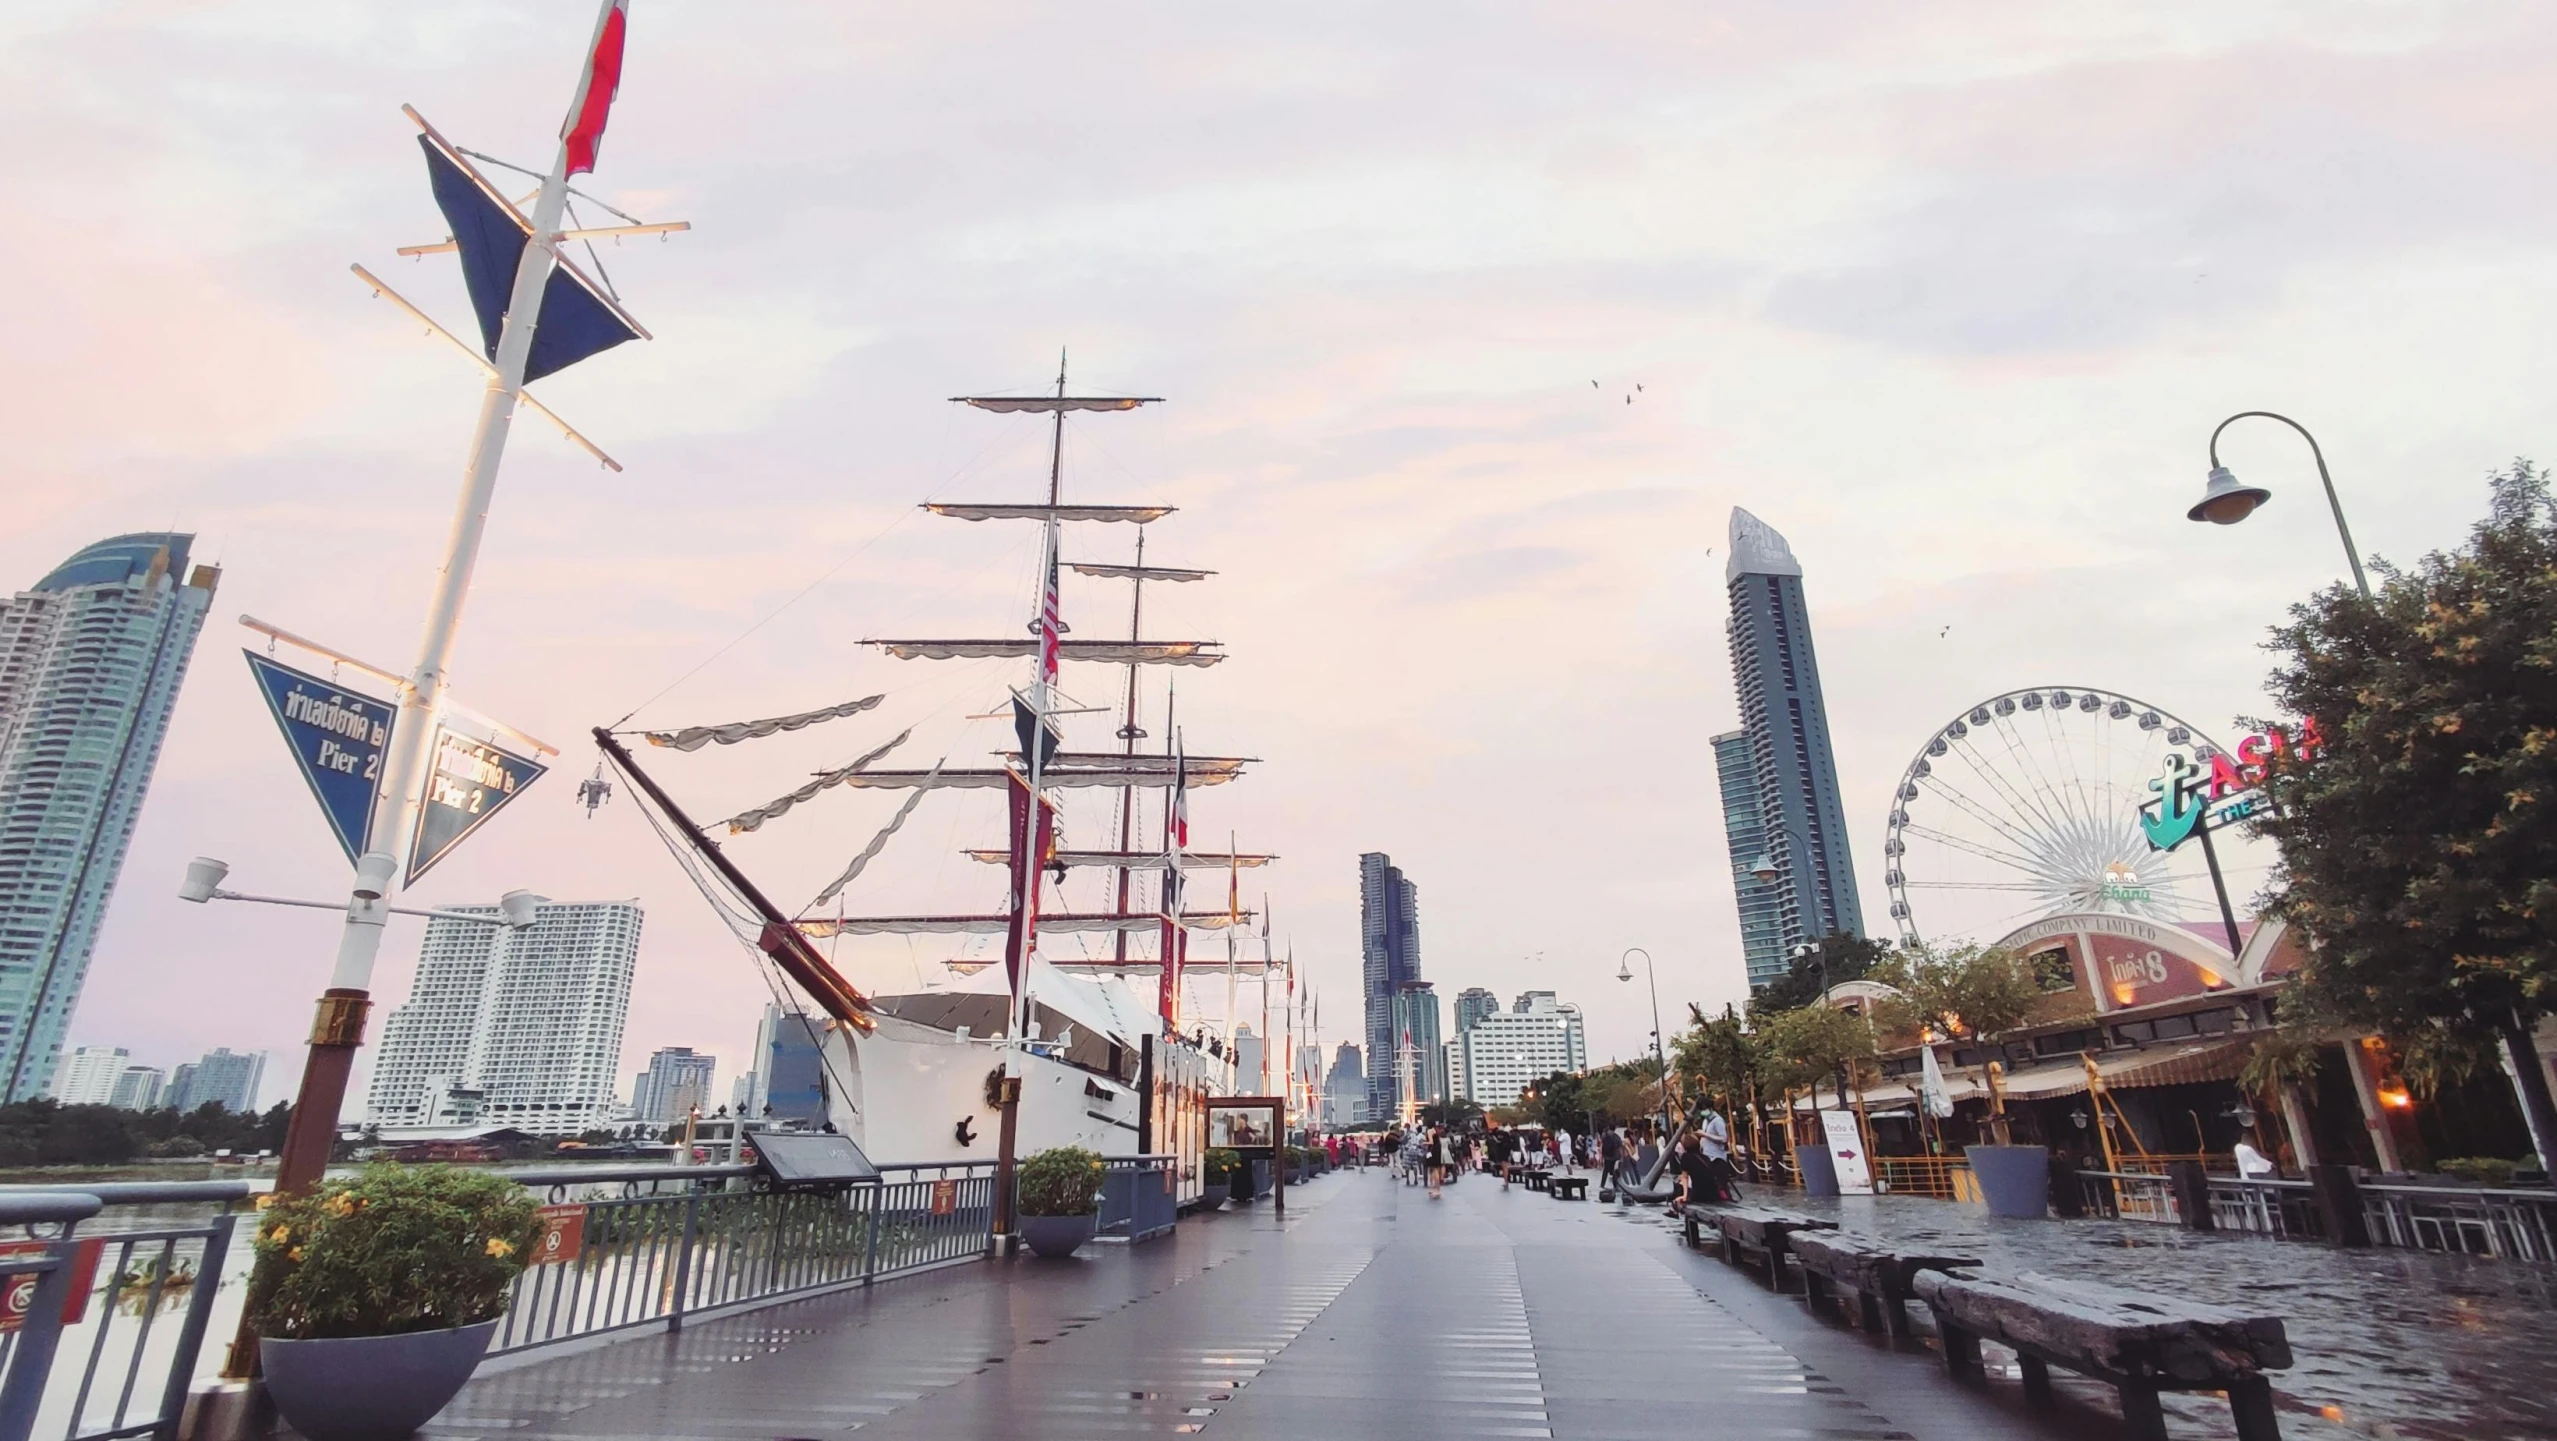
2170,820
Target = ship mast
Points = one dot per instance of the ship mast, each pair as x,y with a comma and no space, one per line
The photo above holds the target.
1129,734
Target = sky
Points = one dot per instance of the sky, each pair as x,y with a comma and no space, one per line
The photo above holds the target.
1951,295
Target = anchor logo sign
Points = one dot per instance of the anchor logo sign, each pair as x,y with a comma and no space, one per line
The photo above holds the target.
2170,820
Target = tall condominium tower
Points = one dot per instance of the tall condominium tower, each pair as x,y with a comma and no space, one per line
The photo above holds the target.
1472,1004
88,1075
1419,1072
1505,1052
1762,941
518,1028
1390,942
675,1085
90,662
1791,784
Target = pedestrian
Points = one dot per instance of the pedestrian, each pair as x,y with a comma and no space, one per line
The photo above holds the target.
1442,1159
1562,1151
1611,1156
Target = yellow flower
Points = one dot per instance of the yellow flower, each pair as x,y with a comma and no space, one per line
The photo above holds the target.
499,1246
293,1255
341,1204
280,1235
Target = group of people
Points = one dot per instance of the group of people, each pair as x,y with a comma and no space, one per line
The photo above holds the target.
1701,1168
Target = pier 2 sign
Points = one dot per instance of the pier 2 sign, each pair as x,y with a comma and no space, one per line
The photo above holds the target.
339,738
467,781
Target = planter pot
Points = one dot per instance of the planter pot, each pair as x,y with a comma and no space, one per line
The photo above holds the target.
2014,1180
1260,1178
1057,1237
371,1388
1239,1189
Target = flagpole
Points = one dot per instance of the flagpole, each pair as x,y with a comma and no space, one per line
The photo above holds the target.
338,1029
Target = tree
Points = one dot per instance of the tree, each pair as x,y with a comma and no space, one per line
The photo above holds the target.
1812,1044
1726,1061
2419,836
1835,958
1961,991
1455,1115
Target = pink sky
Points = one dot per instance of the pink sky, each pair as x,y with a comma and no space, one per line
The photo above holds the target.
1951,295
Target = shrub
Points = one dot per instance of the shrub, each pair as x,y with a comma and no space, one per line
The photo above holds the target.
1061,1181
2484,1170
390,1250
1222,1163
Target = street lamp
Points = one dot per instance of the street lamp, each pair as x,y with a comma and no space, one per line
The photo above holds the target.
204,877
2226,502
1625,972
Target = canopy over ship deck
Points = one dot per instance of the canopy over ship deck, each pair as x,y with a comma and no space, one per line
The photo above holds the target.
1111,652
1060,921
996,510
1137,860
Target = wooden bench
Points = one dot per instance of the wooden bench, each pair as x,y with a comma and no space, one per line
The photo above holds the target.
1534,1178
2136,1341
1568,1188
1754,1229
1696,1222
1876,1278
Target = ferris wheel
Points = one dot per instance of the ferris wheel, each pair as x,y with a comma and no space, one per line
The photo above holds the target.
2027,805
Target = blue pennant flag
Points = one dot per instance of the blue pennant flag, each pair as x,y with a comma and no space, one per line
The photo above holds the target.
467,781
576,320
339,738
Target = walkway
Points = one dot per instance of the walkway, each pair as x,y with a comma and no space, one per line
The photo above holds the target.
1368,1311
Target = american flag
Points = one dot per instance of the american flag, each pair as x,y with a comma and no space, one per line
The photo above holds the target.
1048,622
584,131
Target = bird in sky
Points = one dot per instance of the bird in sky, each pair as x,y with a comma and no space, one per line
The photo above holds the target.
1593,385
1638,385
1948,630
1629,400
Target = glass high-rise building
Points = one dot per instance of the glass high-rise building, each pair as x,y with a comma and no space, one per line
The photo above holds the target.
1420,1056
1472,1004
90,664
1390,946
1790,786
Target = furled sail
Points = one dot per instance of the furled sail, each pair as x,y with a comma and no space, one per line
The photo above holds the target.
1063,921
1051,404
871,851
1135,572
1056,779
959,510
693,738
1134,860
1113,652
745,821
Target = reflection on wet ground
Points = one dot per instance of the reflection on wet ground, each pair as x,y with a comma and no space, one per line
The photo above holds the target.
2388,1342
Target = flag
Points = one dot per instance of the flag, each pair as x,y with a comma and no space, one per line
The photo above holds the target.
584,130
1177,819
1931,1087
1048,622
1026,724
575,320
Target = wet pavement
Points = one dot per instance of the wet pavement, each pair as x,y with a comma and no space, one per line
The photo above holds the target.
1368,1311
2388,1343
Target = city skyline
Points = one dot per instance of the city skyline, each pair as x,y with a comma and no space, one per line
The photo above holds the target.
2026,434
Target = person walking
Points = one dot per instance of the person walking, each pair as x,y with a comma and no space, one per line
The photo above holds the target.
1611,1158
1442,1159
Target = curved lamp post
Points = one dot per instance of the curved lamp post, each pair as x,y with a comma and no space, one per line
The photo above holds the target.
1625,972
2226,502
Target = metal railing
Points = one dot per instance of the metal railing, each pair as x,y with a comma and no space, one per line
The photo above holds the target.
1941,1177
2518,1225
673,1241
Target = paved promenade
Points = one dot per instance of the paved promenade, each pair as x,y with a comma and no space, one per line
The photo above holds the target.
1369,1311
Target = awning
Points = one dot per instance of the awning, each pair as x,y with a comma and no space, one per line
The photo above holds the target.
2214,1058
1110,652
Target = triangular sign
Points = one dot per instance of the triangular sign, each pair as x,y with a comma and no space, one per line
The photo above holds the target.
467,781
339,738
574,322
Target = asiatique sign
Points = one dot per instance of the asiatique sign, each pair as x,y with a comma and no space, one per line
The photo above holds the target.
2228,789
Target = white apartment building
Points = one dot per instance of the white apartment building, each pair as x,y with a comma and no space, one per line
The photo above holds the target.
1504,1052
88,1075
518,1028
139,1088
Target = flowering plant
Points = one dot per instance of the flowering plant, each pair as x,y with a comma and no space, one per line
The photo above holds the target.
389,1250
1064,1181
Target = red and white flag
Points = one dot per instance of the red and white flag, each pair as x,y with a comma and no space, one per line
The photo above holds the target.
1176,820
1049,624
584,131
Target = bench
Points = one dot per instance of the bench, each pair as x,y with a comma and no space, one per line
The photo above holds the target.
1843,1267
2138,1342
1694,1221
1751,1228
1568,1188
1534,1178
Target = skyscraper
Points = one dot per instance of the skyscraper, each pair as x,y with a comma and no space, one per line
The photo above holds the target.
676,1084
1420,1057
139,1089
1507,1051
1762,942
1793,776
1390,943
506,1027
221,1077
88,1075
1345,1090
789,1079
90,663
1472,1004
1248,1052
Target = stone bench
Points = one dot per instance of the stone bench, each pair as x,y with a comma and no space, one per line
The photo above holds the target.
1754,1229
1876,1279
2137,1342
1568,1188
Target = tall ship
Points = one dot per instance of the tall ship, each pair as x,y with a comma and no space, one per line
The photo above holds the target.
1072,1026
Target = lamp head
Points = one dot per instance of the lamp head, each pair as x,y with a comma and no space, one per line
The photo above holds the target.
2224,501
518,909
204,875
1624,969
1764,868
